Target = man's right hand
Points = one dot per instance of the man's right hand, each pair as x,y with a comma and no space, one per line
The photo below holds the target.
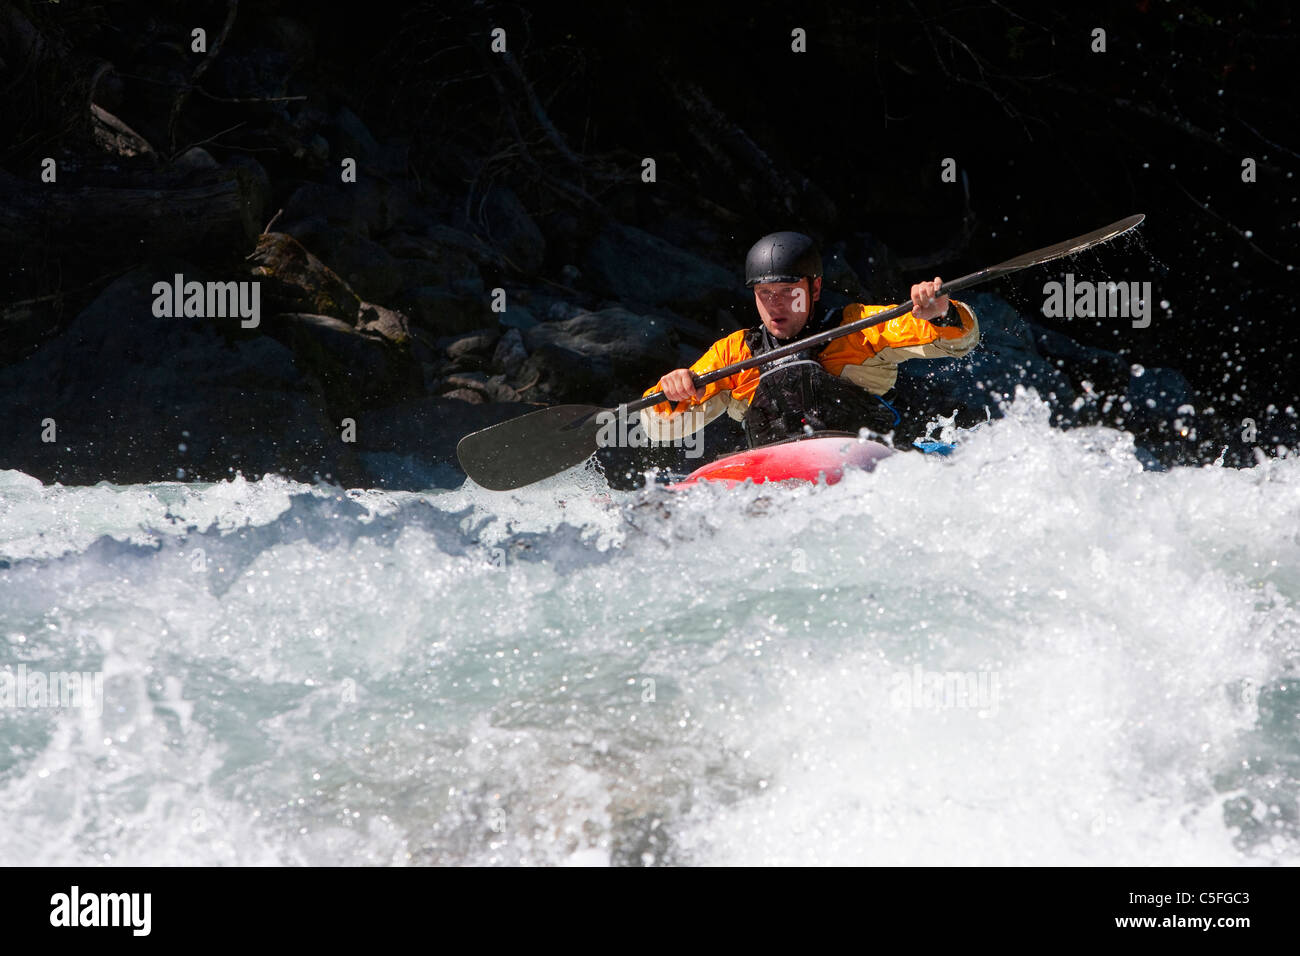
678,386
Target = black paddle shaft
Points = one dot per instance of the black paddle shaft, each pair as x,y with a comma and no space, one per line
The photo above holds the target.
1038,256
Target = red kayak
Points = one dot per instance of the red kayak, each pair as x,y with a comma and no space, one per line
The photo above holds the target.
799,459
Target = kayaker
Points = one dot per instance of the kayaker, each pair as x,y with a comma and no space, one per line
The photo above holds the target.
839,387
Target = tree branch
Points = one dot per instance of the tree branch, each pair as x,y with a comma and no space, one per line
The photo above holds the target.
232,8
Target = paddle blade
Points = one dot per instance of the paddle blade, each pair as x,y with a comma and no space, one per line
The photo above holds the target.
1069,247
531,447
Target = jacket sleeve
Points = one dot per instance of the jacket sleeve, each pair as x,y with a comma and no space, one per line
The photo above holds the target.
870,358
664,423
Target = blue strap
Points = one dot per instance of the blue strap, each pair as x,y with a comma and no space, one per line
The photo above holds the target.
934,447
897,417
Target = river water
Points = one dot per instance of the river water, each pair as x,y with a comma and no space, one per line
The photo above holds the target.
1033,651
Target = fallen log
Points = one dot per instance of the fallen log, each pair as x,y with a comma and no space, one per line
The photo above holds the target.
97,227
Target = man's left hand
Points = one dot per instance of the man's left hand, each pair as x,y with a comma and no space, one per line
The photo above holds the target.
926,301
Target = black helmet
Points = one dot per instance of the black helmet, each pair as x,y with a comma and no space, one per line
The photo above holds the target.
782,257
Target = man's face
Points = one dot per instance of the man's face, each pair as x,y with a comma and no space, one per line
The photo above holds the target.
784,307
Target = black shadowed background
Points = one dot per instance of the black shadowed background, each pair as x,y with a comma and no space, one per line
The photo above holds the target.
378,344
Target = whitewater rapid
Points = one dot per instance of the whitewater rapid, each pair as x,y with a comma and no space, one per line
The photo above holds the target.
1033,651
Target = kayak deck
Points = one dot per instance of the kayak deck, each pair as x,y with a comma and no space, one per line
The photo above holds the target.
804,459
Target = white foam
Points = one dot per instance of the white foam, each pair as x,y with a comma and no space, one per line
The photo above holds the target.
570,675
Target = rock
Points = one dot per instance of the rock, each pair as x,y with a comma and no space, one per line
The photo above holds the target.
596,355
356,370
109,91
249,73
126,390
293,280
492,389
635,344
117,138
517,317
445,268
566,234
459,278
258,182
289,36
500,390
550,308
316,151
26,324
146,212
362,263
475,380
482,341
309,120
510,353
511,231
636,267
472,246
386,323
471,350
699,335
370,207
556,374
196,157
418,272
353,138
444,313
435,262
686,229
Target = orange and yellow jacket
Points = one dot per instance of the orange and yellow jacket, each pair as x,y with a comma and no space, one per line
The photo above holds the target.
868,358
